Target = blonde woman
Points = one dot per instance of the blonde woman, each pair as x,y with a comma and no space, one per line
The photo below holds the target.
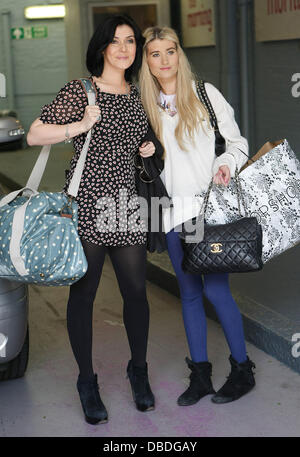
181,123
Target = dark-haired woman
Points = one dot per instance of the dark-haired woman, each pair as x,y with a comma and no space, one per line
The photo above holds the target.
113,58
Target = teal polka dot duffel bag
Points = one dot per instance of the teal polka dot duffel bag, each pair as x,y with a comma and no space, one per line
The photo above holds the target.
39,242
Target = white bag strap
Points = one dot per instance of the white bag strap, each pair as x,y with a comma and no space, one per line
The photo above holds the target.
75,181
10,197
16,236
38,169
17,228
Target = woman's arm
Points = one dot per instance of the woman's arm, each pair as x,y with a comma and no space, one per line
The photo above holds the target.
40,134
237,149
68,111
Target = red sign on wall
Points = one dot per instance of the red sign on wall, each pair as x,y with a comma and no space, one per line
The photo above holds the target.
277,20
198,22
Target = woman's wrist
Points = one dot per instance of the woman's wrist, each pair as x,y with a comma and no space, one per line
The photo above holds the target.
224,159
76,128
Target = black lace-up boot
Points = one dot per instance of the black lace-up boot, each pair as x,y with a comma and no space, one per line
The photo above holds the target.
200,383
93,408
141,390
239,382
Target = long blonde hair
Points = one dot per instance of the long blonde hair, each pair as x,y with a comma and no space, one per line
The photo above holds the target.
190,110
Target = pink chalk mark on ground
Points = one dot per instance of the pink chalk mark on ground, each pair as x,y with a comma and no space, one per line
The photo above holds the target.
195,420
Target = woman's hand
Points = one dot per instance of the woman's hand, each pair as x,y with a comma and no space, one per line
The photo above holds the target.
223,176
91,116
147,149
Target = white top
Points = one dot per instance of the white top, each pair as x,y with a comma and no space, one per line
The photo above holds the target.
188,173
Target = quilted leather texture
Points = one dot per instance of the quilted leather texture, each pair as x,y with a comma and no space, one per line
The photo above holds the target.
229,248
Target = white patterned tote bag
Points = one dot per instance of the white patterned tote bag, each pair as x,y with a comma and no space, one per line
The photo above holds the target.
271,191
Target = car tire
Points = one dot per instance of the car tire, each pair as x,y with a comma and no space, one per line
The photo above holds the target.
15,145
12,146
16,368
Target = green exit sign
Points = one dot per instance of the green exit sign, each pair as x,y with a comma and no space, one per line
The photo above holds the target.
18,33
39,32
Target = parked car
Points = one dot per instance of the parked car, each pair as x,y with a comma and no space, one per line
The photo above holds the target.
14,330
12,133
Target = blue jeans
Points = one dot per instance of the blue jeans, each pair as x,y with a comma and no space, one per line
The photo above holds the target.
216,288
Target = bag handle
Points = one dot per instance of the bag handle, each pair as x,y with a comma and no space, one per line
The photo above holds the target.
202,94
240,196
26,191
268,146
198,236
220,143
90,91
38,169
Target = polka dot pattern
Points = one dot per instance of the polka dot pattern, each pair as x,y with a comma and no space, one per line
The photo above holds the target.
50,248
109,171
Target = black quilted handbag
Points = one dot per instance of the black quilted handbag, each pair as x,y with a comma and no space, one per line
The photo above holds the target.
235,247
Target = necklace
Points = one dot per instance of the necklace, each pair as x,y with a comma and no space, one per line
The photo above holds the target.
127,86
167,108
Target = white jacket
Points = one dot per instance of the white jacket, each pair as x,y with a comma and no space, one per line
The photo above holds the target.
188,173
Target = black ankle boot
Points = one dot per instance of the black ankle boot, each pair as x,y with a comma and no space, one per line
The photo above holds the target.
200,383
93,408
141,390
239,382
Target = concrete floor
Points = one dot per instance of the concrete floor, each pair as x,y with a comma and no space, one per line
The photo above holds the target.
45,402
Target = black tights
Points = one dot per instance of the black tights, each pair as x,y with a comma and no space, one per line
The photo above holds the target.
129,263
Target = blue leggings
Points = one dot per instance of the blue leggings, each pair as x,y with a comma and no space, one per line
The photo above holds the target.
216,289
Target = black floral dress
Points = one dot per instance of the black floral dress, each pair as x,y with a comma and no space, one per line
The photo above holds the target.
108,207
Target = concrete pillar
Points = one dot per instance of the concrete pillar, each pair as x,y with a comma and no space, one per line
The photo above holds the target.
74,40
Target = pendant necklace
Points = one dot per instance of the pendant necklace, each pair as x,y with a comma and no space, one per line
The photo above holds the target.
128,90
167,106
